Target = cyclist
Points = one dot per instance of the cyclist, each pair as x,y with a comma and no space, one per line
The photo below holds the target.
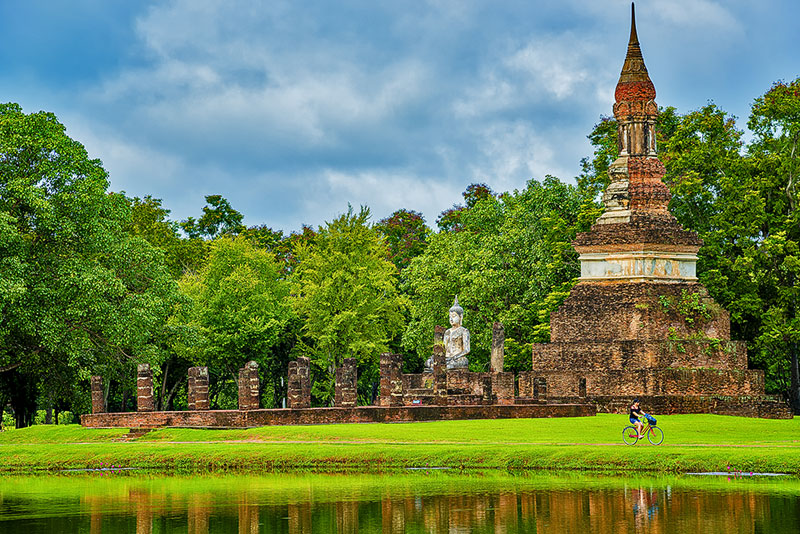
634,413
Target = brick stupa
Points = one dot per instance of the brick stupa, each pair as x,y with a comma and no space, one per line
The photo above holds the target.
638,324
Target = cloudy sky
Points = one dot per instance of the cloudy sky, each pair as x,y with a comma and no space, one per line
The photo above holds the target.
292,109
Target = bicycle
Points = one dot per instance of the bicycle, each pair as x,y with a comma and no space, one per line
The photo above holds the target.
654,434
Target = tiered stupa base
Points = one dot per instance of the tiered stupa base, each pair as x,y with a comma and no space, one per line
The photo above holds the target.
613,341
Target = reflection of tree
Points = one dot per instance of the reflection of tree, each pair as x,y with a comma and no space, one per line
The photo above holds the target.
400,509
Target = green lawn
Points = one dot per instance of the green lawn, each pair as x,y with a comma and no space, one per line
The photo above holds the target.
692,443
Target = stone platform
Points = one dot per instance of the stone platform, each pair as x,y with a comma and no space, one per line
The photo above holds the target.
313,416
763,406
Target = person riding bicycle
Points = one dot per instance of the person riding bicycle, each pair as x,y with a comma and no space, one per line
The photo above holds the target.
634,413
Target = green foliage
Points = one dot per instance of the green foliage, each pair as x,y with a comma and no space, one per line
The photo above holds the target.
219,218
78,292
241,309
690,306
346,293
149,221
450,219
594,172
511,261
406,236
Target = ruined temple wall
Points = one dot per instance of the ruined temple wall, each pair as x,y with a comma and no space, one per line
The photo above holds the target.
631,383
616,311
639,355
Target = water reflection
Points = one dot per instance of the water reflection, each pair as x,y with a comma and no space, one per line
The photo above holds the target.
387,504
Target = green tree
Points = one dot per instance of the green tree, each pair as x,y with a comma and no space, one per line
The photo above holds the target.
219,218
346,294
150,221
450,220
78,292
406,236
774,155
241,309
511,261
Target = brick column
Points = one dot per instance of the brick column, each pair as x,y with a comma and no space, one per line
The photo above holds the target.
144,386
439,375
503,387
486,388
198,388
346,385
98,398
498,347
391,393
249,387
299,384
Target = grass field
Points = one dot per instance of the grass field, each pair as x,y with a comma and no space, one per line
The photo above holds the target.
692,443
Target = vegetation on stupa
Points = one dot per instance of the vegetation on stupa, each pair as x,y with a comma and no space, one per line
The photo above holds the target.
93,282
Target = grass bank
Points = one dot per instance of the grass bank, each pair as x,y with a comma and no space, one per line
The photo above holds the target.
693,443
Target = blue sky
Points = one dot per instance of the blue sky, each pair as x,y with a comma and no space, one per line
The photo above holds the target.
292,109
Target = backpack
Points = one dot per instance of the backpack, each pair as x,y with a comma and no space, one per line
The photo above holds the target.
650,419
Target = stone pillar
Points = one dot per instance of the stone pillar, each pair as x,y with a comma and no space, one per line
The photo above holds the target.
144,387
486,388
98,398
391,393
503,387
498,347
298,393
198,388
346,385
439,375
249,387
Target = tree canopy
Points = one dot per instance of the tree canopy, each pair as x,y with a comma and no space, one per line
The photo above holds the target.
78,292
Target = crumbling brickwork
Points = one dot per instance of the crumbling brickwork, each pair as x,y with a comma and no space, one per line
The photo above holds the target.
98,395
197,388
346,384
249,387
391,385
299,384
358,414
498,348
144,388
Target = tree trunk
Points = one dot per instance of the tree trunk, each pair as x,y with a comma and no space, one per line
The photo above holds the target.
168,401
162,395
48,414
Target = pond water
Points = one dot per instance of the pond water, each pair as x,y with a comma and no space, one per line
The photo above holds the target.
433,501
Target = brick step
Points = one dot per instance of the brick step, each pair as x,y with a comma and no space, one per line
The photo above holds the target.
132,434
529,400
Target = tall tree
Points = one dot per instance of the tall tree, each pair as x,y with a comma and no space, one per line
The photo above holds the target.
150,221
406,236
346,293
240,307
775,159
219,218
77,290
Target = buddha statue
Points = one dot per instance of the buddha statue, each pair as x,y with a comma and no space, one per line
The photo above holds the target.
456,341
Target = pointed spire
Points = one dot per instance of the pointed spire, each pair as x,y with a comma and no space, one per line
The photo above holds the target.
634,82
634,38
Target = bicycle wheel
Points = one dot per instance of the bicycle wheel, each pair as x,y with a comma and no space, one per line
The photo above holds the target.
655,435
630,435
